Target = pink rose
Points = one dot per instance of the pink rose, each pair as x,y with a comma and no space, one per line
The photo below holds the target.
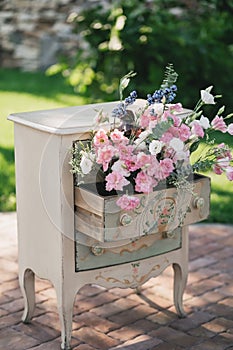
219,124
115,181
128,202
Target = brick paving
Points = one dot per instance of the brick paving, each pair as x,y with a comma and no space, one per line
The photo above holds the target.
119,318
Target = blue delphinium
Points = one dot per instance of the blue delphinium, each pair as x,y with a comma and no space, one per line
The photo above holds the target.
166,95
121,110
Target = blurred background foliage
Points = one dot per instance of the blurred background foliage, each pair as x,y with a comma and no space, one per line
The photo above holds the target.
143,36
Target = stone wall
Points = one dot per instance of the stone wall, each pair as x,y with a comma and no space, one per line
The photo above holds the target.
34,33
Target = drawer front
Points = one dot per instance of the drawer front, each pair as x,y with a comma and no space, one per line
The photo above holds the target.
91,254
160,211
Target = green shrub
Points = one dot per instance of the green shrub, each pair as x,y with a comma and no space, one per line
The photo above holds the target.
144,36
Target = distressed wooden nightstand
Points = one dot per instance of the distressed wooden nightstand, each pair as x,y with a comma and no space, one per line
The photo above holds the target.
55,240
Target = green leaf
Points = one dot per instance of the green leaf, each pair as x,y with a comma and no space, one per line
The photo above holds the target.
194,146
161,128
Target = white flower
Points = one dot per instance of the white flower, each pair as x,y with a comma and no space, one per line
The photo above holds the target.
144,135
207,97
86,162
158,108
177,144
139,142
120,167
182,155
141,145
204,122
155,147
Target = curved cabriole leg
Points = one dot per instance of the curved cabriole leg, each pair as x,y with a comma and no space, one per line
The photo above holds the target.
180,280
27,285
65,301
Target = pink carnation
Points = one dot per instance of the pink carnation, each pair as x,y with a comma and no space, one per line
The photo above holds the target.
154,166
143,160
229,173
197,129
144,183
128,202
219,124
184,132
115,181
174,131
166,167
105,155
167,136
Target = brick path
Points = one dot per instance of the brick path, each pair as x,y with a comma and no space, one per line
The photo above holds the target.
119,318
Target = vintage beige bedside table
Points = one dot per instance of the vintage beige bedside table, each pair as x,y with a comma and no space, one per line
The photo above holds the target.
55,241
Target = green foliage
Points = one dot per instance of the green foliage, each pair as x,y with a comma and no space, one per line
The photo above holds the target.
143,36
170,77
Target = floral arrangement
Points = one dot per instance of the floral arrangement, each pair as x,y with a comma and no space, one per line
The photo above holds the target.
139,149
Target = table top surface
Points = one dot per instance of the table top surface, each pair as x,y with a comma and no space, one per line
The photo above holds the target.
69,120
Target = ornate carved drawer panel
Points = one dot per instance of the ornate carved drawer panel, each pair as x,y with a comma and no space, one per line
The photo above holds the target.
91,254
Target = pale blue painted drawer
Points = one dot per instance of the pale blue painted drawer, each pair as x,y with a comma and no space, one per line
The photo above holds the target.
124,251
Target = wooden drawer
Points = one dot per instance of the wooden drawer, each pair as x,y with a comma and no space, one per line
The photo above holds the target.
91,254
161,211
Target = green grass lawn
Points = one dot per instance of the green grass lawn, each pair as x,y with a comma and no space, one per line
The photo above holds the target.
21,92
